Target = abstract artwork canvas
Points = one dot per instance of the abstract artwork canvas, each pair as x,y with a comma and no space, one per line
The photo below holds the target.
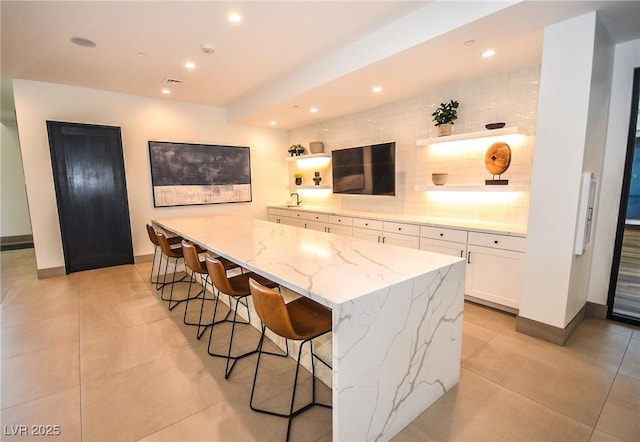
185,174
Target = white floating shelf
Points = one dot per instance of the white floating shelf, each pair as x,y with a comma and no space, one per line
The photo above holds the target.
472,135
312,186
465,188
306,157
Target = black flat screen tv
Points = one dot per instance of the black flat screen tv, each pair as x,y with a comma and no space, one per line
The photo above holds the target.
365,170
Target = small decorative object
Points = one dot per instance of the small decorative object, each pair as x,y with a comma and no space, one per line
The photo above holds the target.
444,117
316,146
296,149
492,126
497,160
298,176
317,178
439,179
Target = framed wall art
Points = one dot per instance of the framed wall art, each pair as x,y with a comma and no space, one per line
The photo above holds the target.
184,174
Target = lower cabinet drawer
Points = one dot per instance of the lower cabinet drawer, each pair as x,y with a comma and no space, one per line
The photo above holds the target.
504,242
278,212
341,220
402,228
364,223
317,217
443,234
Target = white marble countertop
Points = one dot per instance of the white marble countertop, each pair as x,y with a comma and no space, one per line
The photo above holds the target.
466,224
331,269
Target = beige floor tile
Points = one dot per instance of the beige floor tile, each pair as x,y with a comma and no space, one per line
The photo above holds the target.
545,373
37,375
474,337
621,414
479,410
126,314
27,290
41,335
110,297
28,313
147,398
598,346
57,416
609,326
219,422
601,436
111,352
636,334
488,318
631,362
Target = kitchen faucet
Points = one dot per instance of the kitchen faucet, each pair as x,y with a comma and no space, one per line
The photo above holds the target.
298,200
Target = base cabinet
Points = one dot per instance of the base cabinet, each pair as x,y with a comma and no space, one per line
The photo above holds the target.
494,262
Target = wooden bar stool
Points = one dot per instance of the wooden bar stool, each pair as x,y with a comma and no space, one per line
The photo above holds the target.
237,288
198,267
153,237
299,320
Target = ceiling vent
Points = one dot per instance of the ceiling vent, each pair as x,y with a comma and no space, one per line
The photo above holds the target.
172,81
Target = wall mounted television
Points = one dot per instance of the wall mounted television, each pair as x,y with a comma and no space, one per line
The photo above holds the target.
365,170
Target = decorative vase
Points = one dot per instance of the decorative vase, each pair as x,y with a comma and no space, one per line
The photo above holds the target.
439,179
444,129
317,178
298,181
316,146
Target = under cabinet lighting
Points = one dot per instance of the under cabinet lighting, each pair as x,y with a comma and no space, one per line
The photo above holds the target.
475,144
312,162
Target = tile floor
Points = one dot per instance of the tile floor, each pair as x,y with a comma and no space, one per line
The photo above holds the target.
98,356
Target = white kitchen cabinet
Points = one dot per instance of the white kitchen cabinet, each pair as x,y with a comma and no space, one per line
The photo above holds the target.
442,240
494,268
340,225
369,229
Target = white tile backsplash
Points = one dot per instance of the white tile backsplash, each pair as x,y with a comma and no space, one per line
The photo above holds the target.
509,96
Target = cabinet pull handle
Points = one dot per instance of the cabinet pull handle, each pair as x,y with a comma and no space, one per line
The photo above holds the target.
461,253
327,229
469,257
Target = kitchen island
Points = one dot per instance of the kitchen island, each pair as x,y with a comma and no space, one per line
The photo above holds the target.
397,313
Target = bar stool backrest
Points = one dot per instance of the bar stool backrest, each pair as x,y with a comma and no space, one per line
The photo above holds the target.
166,247
218,276
191,257
152,235
272,310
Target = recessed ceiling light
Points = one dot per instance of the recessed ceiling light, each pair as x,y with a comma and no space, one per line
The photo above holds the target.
273,123
206,48
377,89
234,17
166,91
190,65
84,42
313,110
488,53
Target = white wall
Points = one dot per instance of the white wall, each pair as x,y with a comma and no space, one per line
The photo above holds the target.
626,58
141,119
563,109
603,51
13,196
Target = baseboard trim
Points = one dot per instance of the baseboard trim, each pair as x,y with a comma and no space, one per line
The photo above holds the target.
596,311
139,259
550,333
16,239
51,272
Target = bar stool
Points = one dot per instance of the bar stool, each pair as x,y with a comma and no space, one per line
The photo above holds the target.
176,254
237,288
299,320
156,246
198,267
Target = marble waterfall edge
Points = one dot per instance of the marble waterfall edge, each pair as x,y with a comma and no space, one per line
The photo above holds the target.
419,360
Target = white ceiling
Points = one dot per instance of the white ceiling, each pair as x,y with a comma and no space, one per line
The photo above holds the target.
284,57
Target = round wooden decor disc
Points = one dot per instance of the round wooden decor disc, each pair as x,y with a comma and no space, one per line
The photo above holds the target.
498,158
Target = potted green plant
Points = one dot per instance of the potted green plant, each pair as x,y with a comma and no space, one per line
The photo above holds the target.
296,149
298,176
444,117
